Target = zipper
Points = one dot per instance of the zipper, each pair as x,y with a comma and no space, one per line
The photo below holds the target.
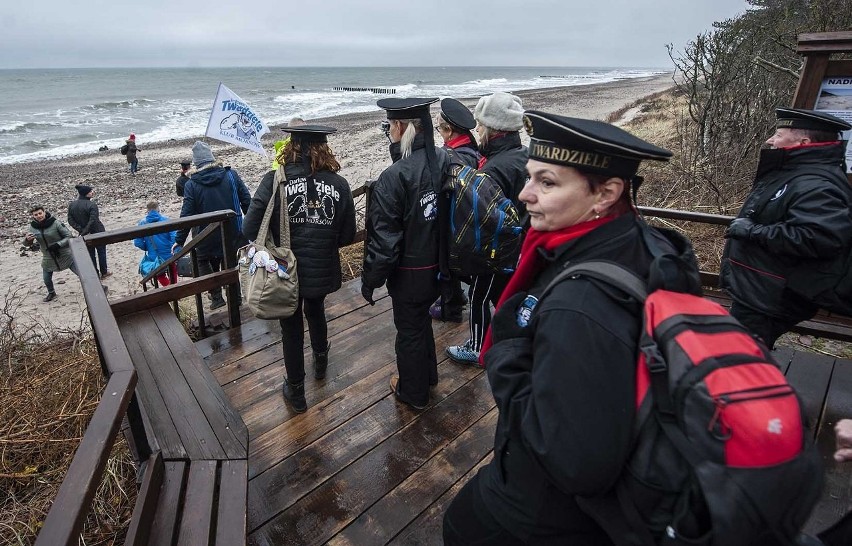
494,240
474,189
722,401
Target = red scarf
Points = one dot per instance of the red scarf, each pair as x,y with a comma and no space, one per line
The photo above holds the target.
531,262
458,142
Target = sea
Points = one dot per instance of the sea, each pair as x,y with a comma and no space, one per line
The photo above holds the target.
54,113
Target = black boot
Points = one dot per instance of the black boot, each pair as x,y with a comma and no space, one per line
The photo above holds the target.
295,394
321,362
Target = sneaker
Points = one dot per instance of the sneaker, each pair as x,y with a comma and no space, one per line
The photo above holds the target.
49,297
394,387
435,313
217,304
464,354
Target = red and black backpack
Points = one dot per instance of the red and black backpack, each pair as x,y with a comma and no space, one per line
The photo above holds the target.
722,455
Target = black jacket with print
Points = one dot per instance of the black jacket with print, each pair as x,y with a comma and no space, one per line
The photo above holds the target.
322,219
402,226
803,228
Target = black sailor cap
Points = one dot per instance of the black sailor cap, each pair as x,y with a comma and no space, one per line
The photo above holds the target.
309,133
587,145
456,113
412,108
798,118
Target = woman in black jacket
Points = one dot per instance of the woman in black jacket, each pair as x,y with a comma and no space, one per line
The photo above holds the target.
562,370
498,122
322,219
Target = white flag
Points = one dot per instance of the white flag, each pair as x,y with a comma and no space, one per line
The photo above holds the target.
232,120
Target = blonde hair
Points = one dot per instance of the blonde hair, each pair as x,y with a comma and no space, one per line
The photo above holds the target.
413,127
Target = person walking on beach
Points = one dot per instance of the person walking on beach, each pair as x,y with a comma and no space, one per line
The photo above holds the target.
402,243
498,122
322,219
159,245
52,237
454,123
130,151
84,217
182,177
791,237
212,187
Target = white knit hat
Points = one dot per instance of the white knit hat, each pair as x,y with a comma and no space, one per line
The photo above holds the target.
201,154
500,111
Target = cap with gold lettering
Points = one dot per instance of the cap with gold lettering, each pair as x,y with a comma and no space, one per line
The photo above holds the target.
798,118
587,145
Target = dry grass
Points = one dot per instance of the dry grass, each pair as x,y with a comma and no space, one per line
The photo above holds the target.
50,384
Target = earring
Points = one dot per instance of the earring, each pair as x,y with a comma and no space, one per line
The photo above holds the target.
597,216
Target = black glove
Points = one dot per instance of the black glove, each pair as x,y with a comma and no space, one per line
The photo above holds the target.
367,293
740,228
53,247
504,324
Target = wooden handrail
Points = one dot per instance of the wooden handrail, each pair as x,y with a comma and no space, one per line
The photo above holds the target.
186,249
114,355
126,234
72,503
149,300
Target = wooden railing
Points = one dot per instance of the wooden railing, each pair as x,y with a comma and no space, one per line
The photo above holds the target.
73,502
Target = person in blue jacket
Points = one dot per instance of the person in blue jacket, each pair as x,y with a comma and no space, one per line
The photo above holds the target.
159,245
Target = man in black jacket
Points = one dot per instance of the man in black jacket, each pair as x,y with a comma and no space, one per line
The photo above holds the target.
212,187
791,237
182,177
402,243
83,216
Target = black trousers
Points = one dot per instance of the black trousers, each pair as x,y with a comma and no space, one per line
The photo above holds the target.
452,298
412,293
468,522
769,329
101,263
293,335
208,265
484,291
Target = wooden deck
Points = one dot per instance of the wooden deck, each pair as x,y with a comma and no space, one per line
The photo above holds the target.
359,468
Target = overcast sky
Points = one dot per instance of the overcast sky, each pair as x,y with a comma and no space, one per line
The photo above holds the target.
99,33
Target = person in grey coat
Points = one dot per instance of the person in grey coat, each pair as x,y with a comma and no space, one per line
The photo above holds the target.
52,237
84,217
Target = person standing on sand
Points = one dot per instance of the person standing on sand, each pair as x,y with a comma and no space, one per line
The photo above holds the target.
131,154
182,177
53,238
83,216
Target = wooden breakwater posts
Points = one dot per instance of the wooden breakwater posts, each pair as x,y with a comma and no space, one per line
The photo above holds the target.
377,90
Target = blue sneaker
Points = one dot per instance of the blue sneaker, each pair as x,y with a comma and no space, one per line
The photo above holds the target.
464,354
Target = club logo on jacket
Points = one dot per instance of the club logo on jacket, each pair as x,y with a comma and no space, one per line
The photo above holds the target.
779,193
304,208
429,205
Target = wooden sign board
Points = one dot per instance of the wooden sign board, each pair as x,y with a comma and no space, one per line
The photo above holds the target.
825,84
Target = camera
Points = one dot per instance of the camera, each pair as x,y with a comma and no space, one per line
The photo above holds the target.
386,127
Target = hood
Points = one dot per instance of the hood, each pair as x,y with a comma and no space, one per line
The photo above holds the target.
211,174
154,216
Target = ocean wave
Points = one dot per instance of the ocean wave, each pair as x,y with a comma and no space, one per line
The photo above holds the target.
25,127
113,105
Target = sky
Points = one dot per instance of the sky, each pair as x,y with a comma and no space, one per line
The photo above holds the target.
187,33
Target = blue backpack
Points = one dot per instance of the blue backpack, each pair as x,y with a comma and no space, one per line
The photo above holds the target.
484,226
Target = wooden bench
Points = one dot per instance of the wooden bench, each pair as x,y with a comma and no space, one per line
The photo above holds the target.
195,478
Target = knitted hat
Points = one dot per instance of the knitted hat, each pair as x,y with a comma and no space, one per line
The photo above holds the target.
500,111
83,190
201,154
132,136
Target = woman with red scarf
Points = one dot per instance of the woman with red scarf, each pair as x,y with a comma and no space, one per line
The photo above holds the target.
562,369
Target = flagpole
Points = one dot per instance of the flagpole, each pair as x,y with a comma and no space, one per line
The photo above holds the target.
212,110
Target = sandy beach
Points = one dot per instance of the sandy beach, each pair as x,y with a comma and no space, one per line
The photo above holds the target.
358,145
